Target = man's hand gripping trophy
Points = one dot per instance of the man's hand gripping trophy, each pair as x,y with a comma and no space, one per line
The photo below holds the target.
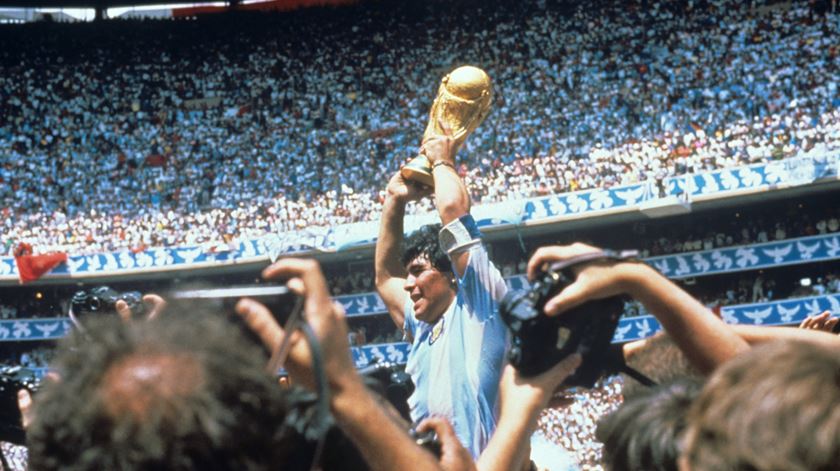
462,103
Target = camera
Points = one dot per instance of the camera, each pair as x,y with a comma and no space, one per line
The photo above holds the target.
13,379
540,342
428,440
103,300
390,381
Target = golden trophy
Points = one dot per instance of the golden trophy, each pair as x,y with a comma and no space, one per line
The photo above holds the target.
463,101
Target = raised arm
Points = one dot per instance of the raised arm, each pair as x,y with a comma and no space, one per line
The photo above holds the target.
451,197
390,272
703,337
521,399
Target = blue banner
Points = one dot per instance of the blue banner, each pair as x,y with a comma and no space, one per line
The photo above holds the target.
391,352
781,173
788,311
749,257
588,203
785,312
34,329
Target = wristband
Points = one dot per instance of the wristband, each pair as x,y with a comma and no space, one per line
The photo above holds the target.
443,162
459,234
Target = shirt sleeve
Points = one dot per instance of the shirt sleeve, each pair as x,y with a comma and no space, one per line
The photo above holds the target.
482,286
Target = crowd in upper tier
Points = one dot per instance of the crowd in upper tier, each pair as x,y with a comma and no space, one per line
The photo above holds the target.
131,134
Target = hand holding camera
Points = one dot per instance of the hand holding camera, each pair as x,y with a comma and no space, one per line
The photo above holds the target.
582,281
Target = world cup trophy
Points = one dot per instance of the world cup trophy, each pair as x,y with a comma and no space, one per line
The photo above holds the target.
462,102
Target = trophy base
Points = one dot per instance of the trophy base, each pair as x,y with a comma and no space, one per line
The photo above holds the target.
419,170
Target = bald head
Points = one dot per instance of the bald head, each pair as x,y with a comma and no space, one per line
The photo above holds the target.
142,385
186,391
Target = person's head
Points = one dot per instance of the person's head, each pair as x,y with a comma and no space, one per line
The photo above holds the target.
645,431
774,408
182,392
430,281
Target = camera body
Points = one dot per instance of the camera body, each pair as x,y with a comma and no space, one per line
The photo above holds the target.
103,300
540,341
390,381
428,440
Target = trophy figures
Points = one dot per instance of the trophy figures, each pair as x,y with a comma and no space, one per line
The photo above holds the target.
462,102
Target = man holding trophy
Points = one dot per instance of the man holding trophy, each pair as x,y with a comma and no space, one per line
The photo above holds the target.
438,284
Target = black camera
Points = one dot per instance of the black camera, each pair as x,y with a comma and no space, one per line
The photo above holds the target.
12,380
390,381
428,440
540,342
103,300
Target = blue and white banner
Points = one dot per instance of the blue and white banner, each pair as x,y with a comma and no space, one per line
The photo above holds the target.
34,329
783,173
159,259
361,304
589,201
636,328
749,257
788,311
391,352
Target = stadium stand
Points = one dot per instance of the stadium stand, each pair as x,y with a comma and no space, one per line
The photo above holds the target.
143,145
131,135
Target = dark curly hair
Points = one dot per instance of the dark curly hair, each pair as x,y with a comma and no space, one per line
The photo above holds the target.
184,392
424,242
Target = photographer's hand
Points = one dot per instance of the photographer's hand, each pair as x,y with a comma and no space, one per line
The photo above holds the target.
324,316
154,303
823,322
384,445
453,455
704,338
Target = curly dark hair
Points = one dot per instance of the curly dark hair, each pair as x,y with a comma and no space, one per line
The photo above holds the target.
184,392
425,242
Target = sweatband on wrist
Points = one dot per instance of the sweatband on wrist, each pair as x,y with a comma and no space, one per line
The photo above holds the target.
460,234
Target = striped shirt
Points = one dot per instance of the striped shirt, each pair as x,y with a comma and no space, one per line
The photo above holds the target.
456,363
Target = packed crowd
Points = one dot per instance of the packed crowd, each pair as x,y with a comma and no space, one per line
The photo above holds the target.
573,426
125,135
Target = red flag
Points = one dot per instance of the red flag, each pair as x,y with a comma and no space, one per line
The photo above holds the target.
31,267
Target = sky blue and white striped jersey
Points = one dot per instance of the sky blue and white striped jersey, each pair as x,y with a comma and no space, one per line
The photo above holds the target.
456,363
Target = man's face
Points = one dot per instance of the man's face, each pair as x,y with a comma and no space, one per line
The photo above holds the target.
430,290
